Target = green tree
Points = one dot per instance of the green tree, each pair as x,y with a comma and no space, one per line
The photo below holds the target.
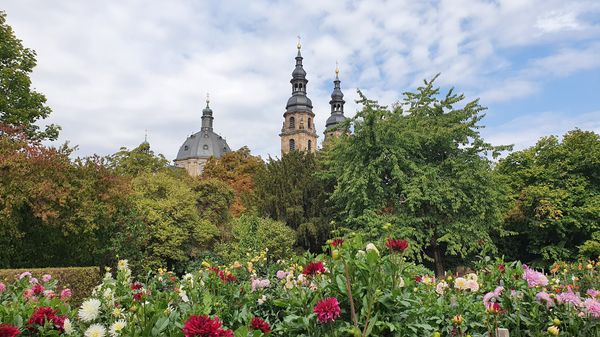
174,231
290,190
20,105
421,165
213,200
73,212
137,161
555,198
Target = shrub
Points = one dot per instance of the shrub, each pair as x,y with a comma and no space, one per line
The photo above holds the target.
252,234
81,280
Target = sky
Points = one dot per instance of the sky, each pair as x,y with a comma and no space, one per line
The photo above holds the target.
113,69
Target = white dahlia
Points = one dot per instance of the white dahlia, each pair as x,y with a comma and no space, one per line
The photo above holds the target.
89,310
95,330
117,327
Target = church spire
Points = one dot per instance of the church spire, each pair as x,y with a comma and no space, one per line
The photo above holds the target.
298,131
207,116
337,103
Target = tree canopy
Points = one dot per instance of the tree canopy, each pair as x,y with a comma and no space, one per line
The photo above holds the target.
555,196
20,104
423,166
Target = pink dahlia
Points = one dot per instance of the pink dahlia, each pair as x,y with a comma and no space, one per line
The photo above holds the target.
2,287
544,297
568,297
204,326
24,274
396,245
260,324
46,277
327,310
65,294
592,307
281,274
7,330
314,268
593,293
534,278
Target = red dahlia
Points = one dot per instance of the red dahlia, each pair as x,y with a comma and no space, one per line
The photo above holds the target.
204,326
314,268
136,286
42,315
7,330
397,245
337,242
38,289
327,310
260,324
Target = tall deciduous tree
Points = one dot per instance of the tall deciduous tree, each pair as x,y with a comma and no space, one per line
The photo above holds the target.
62,208
422,165
137,161
174,230
237,169
20,105
555,197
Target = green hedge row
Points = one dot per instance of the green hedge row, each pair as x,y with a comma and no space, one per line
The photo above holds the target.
81,280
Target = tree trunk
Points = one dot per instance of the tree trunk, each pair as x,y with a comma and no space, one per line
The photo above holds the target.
437,258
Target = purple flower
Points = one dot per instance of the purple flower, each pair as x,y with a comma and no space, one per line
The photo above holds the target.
33,280
543,296
534,278
46,278
568,297
492,296
593,293
2,287
281,274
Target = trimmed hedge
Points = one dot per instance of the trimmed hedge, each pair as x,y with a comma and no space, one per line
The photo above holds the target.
81,280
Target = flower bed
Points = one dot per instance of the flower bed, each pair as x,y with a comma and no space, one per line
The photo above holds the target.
357,289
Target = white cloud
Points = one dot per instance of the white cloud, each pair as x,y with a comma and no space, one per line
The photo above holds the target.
111,69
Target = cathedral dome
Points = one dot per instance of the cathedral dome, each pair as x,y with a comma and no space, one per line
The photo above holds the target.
203,144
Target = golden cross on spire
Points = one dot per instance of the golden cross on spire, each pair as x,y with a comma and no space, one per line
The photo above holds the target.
337,69
298,45
207,98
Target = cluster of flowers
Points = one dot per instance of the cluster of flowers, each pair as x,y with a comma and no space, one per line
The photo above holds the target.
235,296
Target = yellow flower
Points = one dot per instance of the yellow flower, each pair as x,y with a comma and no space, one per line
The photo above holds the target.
236,265
205,264
457,320
556,321
553,330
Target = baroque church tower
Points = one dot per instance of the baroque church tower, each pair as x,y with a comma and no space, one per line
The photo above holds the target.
337,109
298,131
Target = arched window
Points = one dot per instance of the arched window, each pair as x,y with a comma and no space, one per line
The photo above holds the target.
309,145
292,122
300,86
292,145
309,123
